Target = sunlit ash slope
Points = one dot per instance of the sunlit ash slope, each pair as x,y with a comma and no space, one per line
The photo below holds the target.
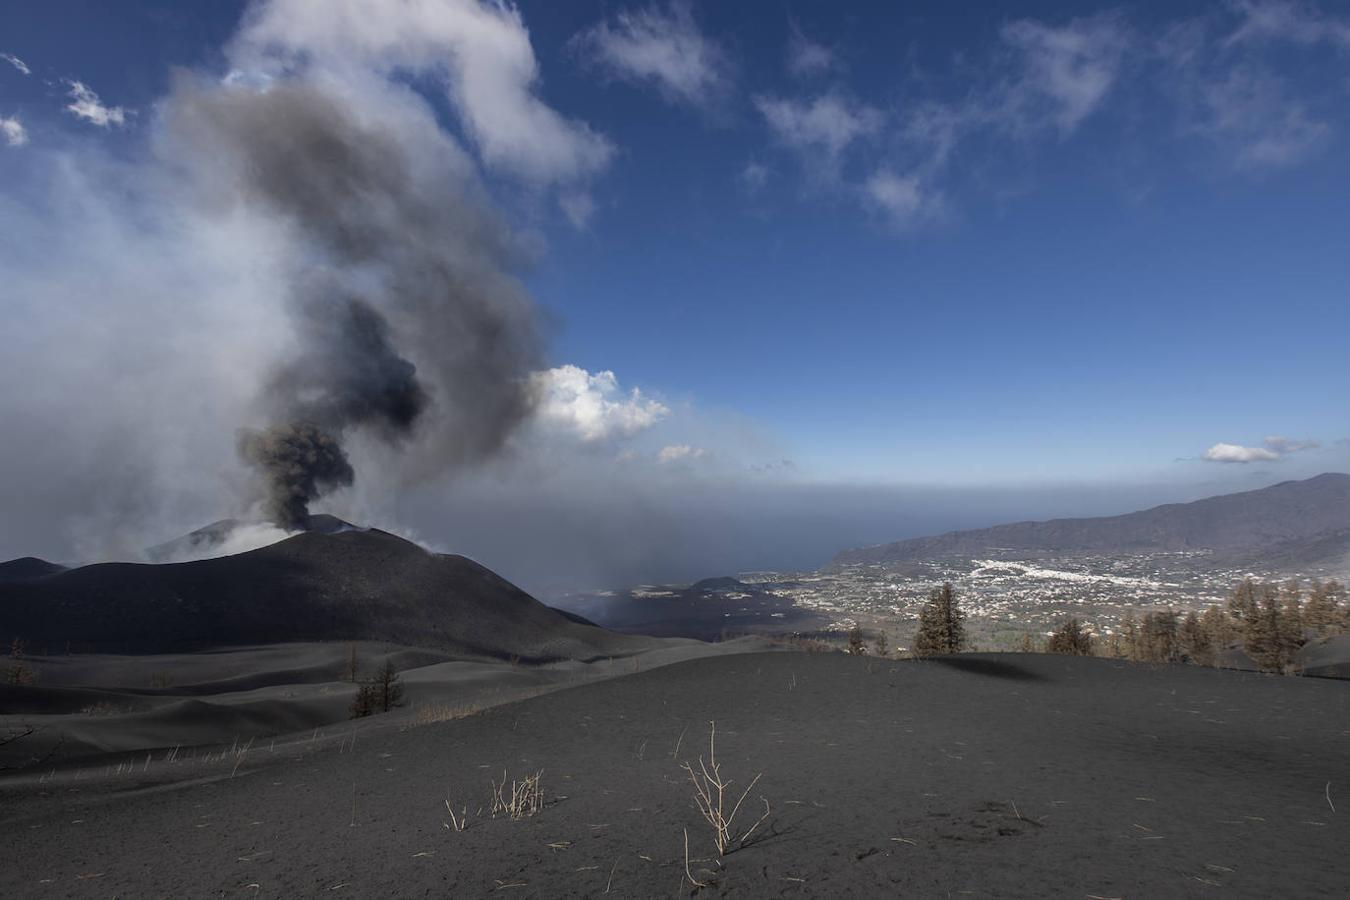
349,585
1291,525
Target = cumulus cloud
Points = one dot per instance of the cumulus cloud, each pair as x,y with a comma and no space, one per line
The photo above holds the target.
819,129
1274,448
85,104
12,130
479,53
1236,453
16,63
680,453
591,406
661,47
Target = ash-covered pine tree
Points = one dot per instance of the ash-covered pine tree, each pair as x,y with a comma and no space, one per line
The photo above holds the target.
1220,629
1070,639
1196,644
1243,604
941,624
389,687
1322,613
1261,636
1158,637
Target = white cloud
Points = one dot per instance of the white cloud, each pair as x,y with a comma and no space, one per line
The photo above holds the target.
479,51
1275,447
591,406
1235,453
753,176
660,47
1066,72
85,104
905,199
807,58
578,206
16,63
680,453
1279,20
819,129
1250,112
12,130
1284,445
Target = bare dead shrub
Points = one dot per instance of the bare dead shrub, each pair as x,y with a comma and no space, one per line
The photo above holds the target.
712,792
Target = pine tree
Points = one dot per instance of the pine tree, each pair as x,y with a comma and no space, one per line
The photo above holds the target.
366,702
1261,637
1290,626
1242,604
1129,628
1219,630
1028,644
350,669
1158,637
1321,614
389,687
880,645
1196,644
941,624
1070,639
856,645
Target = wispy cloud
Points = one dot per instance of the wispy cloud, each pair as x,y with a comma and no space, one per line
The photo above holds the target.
819,129
1062,73
16,63
753,176
12,130
662,47
1273,448
807,58
1282,20
85,104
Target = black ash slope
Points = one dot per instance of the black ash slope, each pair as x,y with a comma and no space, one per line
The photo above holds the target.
988,776
345,585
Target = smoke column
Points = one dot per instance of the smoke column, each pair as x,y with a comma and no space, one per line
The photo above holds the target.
408,323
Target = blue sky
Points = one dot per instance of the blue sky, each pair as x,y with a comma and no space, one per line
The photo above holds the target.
1040,243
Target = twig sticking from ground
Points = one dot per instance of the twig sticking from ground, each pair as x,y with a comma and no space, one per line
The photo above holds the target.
1329,803
687,874
711,793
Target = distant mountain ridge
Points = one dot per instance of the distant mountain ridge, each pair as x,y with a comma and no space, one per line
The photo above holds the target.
346,584
1292,524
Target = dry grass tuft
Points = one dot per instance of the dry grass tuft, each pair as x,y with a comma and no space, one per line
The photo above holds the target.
525,797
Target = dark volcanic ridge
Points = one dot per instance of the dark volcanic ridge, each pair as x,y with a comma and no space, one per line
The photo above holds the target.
26,567
209,539
347,584
1294,525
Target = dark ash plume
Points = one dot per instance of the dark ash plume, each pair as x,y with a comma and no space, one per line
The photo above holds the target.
409,323
298,463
